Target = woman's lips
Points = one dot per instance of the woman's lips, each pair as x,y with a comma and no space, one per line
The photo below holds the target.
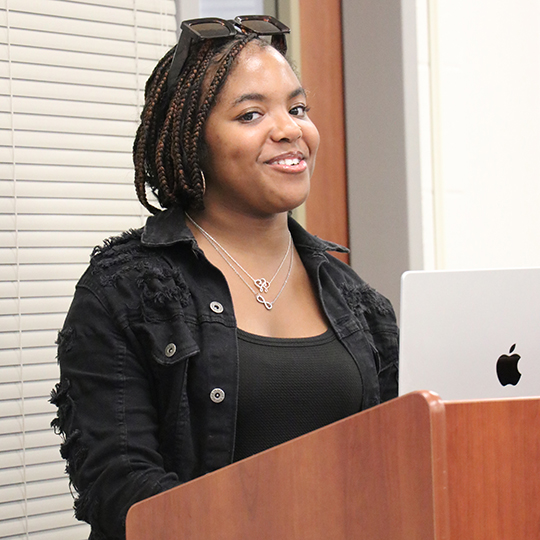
288,163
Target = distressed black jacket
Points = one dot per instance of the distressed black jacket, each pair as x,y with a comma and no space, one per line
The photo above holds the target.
151,335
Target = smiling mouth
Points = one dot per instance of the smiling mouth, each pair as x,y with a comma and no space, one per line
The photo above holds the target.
291,162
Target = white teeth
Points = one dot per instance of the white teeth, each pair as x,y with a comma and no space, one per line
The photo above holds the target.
289,162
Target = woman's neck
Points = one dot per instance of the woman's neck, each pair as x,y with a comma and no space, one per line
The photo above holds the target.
243,233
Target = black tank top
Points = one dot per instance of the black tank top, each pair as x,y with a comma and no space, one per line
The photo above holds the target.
290,386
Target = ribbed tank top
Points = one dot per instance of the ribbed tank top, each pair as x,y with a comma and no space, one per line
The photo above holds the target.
290,386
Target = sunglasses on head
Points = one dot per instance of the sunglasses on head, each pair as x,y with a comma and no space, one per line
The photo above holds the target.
214,28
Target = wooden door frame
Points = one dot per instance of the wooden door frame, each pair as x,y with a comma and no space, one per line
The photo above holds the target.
322,76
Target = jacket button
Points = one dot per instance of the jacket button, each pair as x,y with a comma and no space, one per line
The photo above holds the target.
217,395
170,349
216,307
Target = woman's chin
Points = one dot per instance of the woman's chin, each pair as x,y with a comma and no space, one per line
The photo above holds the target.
294,198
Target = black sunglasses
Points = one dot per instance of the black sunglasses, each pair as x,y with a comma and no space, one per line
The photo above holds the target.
214,28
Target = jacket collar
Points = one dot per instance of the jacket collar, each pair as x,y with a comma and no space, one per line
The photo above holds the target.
169,227
303,239
166,229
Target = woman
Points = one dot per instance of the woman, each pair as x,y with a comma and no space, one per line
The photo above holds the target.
222,328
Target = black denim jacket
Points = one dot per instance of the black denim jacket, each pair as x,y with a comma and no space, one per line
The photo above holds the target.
149,363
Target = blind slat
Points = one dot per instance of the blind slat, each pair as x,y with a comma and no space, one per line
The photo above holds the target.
73,75
58,91
67,239
32,389
14,407
57,486
37,306
74,173
35,355
11,425
45,256
68,190
29,440
40,272
27,56
63,141
55,156
80,531
82,223
35,523
34,456
74,109
37,289
37,506
32,306
83,207
61,124
38,338
52,321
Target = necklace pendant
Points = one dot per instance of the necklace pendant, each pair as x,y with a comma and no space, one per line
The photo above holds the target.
265,303
262,285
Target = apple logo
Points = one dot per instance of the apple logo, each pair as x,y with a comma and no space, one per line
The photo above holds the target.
507,370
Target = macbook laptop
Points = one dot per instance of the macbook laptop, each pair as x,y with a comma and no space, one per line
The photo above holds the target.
471,334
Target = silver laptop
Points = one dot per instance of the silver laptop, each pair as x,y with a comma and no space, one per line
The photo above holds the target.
471,334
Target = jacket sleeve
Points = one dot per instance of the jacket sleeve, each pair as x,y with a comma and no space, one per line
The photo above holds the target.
384,330
108,418
376,310
387,344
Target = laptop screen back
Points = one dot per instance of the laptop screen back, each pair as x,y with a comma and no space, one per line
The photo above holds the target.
471,334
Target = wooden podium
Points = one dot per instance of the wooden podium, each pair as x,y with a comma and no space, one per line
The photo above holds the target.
414,468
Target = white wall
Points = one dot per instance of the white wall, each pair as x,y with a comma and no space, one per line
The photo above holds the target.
480,64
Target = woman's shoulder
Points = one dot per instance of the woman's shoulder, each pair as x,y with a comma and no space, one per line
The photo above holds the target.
361,297
124,267
118,254
363,300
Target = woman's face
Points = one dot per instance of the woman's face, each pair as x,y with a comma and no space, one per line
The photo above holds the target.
260,143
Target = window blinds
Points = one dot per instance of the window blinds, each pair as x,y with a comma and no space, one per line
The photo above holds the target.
72,75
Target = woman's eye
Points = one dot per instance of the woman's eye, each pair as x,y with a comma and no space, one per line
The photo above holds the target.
299,110
249,116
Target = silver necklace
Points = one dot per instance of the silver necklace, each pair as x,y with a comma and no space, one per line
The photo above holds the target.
262,284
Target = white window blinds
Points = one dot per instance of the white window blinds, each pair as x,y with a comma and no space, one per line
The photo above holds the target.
72,75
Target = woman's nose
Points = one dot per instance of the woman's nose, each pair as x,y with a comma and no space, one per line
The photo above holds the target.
286,129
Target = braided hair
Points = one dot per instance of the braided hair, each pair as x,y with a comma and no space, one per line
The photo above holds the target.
169,140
